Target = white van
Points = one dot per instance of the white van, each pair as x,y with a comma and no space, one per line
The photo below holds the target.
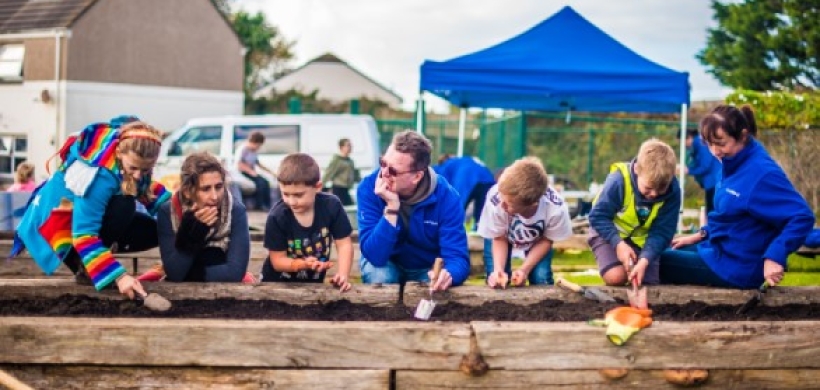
315,134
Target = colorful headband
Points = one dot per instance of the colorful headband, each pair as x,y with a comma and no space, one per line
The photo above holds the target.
143,134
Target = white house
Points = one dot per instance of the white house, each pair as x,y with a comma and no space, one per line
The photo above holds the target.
334,79
67,63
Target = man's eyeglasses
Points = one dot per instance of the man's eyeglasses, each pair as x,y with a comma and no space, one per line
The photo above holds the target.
392,172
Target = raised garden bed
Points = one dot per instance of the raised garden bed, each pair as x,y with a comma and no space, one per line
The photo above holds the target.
773,346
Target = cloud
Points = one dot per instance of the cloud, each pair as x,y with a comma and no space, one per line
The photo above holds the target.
389,40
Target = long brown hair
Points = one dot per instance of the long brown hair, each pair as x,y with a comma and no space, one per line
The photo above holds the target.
143,140
194,166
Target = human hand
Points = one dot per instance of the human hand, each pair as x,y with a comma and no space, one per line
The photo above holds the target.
679,242
387,194
341,281
444,281
772,272
497,279
207,214
297,265
519,278
625,254
129,286
638,271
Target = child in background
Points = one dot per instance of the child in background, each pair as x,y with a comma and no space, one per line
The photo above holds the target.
248,161
302,227
341,173
522,218
23,178
635,216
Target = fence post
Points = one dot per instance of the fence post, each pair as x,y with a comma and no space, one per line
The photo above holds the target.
590,153
295,105
522,137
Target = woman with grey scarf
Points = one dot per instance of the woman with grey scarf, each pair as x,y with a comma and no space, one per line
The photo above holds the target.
203,232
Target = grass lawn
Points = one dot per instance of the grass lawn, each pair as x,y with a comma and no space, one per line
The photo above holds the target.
802,271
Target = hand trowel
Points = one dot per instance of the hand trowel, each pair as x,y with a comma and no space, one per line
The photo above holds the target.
426,306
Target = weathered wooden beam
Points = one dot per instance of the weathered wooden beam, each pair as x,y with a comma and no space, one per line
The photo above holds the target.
102,377
297,294
591,379
233,343
729,345
388,294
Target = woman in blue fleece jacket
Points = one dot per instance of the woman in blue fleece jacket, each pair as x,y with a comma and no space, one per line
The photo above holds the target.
759,218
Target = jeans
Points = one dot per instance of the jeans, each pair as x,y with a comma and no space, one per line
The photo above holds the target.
685,266
391,273
540,274
261,196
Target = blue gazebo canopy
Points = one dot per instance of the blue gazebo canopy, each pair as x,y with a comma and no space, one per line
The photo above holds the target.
563,63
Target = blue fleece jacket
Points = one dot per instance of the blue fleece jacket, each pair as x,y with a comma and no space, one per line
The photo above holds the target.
435,229
703,165
464,173
611,201
758,215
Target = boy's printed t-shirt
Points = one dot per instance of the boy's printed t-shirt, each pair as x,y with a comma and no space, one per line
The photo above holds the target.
284,233
551,220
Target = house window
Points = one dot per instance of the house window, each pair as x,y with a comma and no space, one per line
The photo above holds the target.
13,151
11,62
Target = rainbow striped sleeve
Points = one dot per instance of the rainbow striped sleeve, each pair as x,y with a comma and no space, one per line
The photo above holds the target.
98,261
160,195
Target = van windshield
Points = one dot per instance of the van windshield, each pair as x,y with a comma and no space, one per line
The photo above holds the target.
279,139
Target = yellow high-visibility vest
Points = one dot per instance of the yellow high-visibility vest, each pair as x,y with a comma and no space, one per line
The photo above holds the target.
626,220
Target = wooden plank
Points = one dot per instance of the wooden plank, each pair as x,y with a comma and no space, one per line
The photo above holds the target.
294,293
592,379
234,343
730,345
102,377
24,266
388,294
477,295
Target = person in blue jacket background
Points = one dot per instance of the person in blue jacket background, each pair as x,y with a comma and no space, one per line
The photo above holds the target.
408,216
88,207
758,220
703,166
470,178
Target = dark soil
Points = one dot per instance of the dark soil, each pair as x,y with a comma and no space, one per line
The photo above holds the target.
343,310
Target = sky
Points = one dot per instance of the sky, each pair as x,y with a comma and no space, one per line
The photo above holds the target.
388,40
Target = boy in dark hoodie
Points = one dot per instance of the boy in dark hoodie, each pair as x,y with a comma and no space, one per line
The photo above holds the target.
635,216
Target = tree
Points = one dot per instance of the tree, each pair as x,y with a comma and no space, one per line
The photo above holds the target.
765,44
268,52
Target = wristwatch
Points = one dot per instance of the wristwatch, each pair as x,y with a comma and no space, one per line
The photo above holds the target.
389,211
704,234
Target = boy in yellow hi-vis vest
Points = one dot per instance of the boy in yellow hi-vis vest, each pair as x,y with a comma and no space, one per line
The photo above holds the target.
635,216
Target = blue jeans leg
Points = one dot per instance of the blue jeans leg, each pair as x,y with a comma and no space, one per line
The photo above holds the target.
542,273
488,259
391,273
685,266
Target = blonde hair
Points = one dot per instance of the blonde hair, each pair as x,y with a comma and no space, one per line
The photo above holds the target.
143,140
656,163
525,181
24,172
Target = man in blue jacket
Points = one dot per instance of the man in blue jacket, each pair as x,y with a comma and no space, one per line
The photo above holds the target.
408,216
703,166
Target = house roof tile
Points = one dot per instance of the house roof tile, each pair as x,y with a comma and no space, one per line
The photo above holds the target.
26,15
